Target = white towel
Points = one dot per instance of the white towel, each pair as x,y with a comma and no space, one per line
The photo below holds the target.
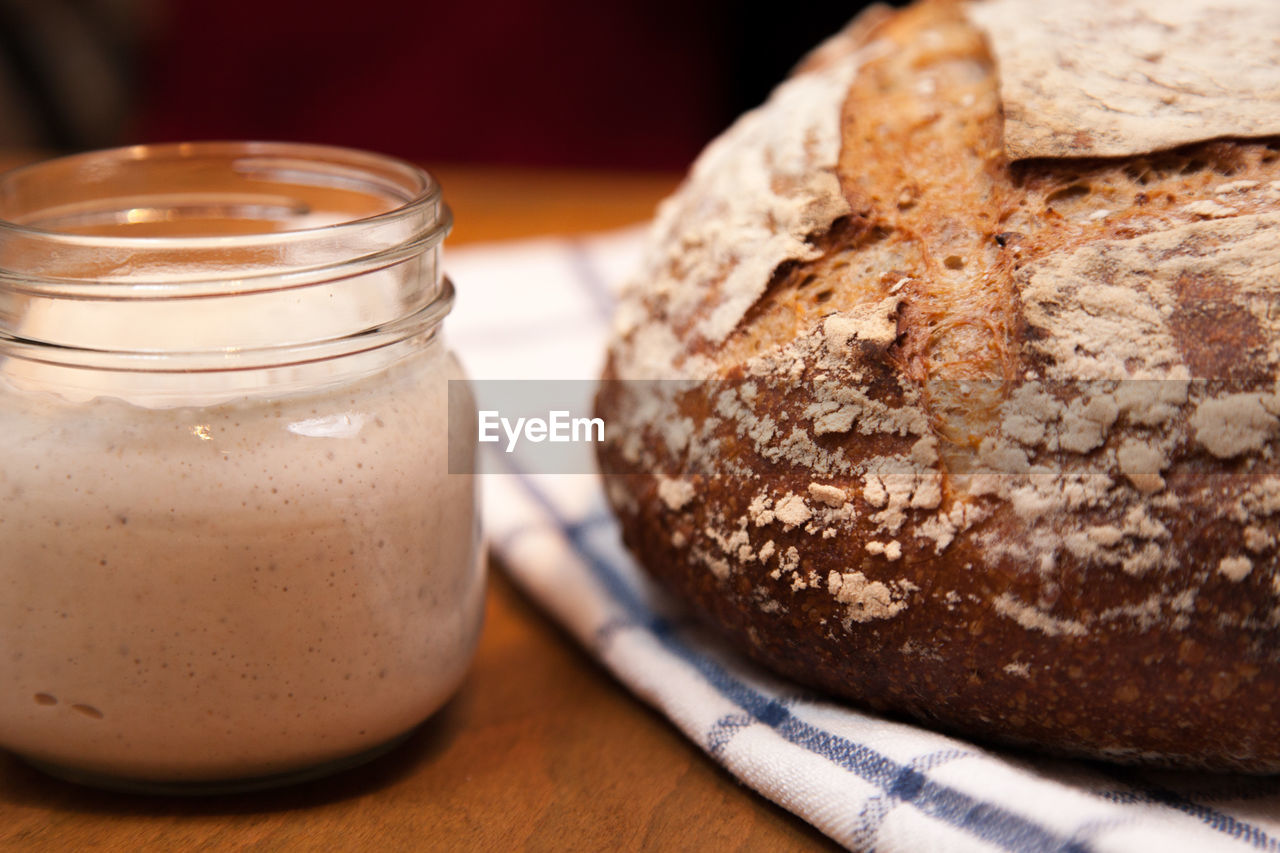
540,310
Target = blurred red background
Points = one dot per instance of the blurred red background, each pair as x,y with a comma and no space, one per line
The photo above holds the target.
593,84
636,85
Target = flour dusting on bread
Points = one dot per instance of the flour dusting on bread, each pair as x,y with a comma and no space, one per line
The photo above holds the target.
750,204
962,434
1100,78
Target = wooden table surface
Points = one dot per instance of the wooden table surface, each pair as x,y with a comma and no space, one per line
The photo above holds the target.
541,749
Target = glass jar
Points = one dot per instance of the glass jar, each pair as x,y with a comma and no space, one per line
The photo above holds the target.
231,553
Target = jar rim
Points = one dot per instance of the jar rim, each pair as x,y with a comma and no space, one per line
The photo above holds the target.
419,191
232,248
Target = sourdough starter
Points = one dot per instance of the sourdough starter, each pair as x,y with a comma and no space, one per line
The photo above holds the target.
232,590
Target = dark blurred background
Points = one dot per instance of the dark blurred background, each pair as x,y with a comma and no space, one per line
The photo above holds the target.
563,83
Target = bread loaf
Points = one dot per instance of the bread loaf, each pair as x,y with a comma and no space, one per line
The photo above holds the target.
977,326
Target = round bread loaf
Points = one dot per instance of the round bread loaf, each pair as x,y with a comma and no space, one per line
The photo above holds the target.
965,353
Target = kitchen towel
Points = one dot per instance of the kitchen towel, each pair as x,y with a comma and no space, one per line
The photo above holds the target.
539,310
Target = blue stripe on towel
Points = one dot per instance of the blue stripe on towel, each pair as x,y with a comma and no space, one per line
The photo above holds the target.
988,821
1148,793
1140,792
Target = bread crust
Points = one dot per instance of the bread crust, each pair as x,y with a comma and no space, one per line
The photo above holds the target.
981,439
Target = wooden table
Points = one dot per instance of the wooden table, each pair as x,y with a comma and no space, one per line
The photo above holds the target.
541,749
